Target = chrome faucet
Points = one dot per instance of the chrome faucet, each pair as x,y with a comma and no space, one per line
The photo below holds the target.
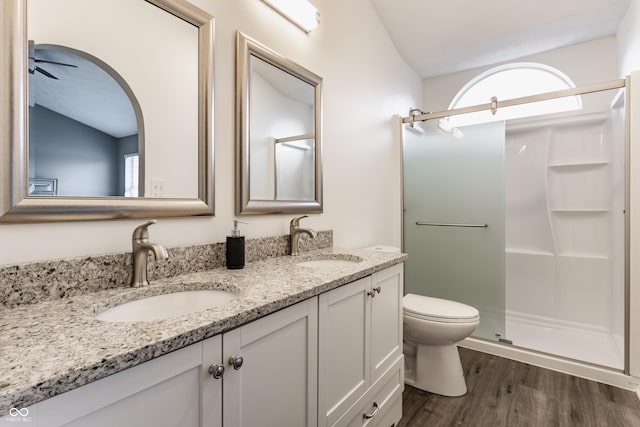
141,248
295,231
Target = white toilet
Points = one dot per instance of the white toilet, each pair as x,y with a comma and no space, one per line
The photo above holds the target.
432,327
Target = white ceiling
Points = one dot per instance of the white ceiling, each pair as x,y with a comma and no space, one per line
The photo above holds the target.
445,36
86,94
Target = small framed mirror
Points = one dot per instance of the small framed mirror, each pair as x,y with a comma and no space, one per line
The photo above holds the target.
278,135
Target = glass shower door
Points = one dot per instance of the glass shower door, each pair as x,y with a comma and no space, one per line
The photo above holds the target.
453,186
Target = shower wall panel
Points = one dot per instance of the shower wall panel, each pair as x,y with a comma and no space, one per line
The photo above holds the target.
527,214
559,243
531,284
530,265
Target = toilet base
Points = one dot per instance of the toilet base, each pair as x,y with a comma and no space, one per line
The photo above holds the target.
437,369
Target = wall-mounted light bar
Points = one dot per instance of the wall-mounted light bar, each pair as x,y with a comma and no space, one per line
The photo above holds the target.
300,12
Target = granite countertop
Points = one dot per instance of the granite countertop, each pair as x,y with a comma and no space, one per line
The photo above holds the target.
55,346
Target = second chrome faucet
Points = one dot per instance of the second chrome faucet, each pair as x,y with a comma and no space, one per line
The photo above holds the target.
295,230
141,248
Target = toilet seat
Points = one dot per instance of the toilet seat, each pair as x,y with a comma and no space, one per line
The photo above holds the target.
438,310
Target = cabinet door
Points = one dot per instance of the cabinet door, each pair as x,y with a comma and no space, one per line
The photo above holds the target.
276,384
386,319
344,372
162,392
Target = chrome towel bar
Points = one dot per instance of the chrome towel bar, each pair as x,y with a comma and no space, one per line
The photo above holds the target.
441,224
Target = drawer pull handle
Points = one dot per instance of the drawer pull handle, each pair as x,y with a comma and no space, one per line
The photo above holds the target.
236,362
216,371
376,408
377,289
371,294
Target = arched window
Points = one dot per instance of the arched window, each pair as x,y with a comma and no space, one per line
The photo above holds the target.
514,81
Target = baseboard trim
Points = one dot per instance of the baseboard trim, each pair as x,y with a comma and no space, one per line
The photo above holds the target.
567,366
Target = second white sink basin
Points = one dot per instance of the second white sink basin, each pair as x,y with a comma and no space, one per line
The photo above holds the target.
166,305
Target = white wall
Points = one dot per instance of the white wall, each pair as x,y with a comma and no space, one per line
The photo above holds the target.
628,40
365,84
585,63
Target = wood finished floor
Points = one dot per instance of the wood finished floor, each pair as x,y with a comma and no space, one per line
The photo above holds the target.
503,392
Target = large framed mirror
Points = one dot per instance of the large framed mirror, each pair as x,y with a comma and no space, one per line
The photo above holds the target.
107,118
278,135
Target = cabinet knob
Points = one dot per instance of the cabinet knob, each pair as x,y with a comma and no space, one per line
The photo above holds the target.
236,362
216,371
373,291
373,413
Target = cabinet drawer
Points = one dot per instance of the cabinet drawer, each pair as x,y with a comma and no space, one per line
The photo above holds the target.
384,395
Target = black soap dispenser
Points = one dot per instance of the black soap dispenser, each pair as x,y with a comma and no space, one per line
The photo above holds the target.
235,248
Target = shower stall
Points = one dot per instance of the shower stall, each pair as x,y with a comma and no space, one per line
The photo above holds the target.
524,219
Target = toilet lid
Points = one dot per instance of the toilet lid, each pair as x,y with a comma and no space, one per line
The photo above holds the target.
438,309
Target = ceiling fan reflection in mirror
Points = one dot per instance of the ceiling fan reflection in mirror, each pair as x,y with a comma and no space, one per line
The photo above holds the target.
33,61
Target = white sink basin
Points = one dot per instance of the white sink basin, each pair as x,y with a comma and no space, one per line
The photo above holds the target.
330,260
166,305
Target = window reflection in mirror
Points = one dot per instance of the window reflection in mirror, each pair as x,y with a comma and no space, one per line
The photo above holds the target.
82,125
281,136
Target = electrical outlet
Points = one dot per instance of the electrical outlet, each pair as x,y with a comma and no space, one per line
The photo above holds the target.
157,187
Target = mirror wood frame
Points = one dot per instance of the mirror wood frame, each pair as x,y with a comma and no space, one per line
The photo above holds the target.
17,207
245,48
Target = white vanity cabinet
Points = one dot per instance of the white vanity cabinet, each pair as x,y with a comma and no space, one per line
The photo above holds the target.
274,385
360,351
332,360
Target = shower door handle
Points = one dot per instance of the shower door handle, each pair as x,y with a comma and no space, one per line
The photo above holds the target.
444,224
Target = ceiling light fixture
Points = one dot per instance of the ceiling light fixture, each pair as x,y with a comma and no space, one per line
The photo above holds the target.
300,12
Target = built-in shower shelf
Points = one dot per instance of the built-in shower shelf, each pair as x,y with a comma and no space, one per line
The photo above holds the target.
580,211
578,165
521,251
585,256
